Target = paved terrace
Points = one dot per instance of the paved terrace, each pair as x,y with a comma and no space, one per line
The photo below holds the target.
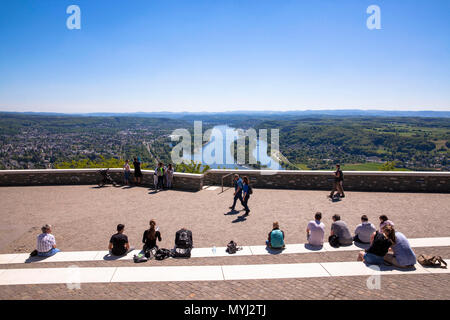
84,217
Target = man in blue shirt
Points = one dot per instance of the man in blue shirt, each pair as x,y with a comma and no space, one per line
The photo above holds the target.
238,186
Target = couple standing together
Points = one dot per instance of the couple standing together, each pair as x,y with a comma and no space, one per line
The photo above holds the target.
242,191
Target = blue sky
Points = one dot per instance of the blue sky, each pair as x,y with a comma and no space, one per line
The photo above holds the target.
218,55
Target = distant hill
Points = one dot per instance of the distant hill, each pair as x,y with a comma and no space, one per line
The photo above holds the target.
275,114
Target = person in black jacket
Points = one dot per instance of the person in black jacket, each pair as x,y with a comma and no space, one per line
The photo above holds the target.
379,246
150,236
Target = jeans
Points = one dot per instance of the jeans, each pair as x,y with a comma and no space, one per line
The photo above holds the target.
238,195
245,203
371,258
48,253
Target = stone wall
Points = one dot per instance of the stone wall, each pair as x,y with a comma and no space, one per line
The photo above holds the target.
181,181
395,181
390,181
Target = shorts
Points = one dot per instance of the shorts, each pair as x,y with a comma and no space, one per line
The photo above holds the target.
371,258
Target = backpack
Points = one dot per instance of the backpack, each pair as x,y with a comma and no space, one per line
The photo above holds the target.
232,247
139,258
276,239
183,239
334,241
182,253
162,254
250,189
150,253
432,261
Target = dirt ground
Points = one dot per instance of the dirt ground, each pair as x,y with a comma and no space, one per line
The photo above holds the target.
84,217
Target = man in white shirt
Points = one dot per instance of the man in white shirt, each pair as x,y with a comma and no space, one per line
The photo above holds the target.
315,231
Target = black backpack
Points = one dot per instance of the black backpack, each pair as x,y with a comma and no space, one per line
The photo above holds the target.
232,247
183,239
250,189
181,253
333,241
162,254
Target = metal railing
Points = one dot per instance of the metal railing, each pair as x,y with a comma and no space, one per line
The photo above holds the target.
223,177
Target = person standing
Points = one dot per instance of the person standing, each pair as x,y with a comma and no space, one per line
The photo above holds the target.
160,174
137,171
246,190
238,186
338,183
126,172
46,243
169,176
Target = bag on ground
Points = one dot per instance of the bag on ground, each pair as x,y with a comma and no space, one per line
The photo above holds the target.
334,241
183,239
162,254
232,247
138,258
432,261
182,253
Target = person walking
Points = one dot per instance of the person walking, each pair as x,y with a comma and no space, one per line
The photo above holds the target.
137,171
238,186
246,190
338,183
126,172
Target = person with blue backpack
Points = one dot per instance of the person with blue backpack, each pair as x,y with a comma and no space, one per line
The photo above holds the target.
276,237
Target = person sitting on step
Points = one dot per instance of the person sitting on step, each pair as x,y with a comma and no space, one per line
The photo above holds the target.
46,243
276,237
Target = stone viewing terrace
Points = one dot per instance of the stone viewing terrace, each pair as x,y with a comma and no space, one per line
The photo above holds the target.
85,216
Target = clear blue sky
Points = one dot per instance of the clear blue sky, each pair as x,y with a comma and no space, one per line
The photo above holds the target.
217,55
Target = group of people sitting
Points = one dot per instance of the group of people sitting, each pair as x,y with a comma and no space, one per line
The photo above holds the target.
118,243
387,246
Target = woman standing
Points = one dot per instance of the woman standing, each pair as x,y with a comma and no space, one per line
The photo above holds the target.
169,176
137,171
246,195
150,236
126,171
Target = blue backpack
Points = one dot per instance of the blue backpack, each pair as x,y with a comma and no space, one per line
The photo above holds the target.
276,239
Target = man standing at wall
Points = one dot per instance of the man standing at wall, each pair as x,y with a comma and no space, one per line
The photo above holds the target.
338,181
